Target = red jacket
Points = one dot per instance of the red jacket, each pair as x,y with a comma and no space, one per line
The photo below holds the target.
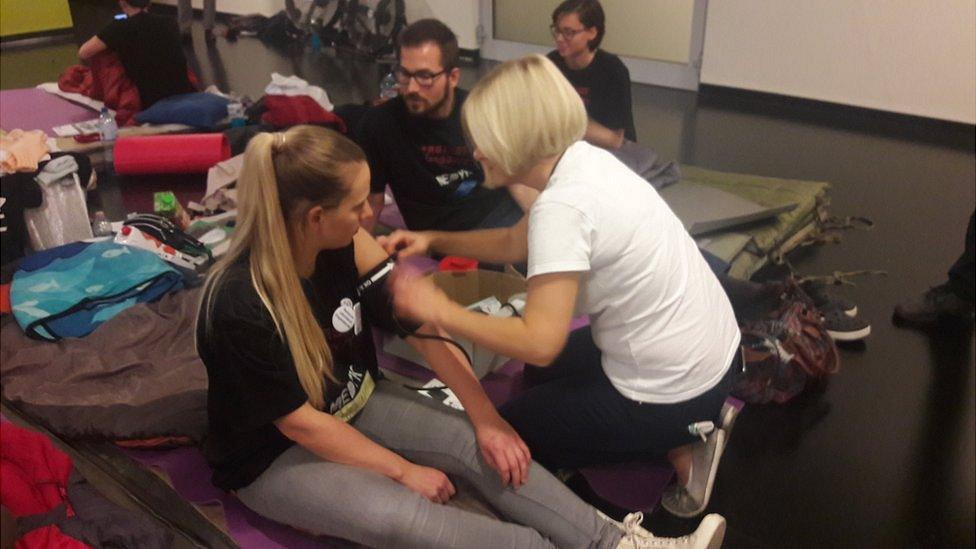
104,80
33,473
34,476
60,507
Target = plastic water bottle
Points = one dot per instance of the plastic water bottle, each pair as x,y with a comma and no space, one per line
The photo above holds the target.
108,130
389,87
235,111
101,225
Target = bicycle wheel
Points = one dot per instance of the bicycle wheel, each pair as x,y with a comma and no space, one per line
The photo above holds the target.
311,15
372,27
388,18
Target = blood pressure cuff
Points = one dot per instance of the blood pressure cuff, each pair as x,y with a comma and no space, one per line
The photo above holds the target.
375,297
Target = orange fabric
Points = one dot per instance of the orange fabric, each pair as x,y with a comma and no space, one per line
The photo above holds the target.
23,150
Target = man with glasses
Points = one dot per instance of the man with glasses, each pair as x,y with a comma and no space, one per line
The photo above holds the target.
415,144
601,78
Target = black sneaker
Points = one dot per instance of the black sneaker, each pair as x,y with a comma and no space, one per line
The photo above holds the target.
825,299
842,327
937,304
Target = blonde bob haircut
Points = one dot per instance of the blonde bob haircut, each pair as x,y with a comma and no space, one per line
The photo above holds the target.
521,112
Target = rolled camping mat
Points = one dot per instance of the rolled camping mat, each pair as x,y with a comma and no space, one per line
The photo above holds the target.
161,154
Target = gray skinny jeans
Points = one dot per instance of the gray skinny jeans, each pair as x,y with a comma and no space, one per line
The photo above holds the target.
322,497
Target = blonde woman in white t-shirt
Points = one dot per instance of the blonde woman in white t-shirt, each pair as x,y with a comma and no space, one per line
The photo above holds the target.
649,376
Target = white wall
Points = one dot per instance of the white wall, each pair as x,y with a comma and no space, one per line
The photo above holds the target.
906,56
239,7
460,15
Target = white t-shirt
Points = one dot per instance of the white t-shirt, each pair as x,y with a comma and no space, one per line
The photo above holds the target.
658,314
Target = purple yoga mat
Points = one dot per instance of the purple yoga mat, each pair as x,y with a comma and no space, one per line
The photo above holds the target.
34,109
188,471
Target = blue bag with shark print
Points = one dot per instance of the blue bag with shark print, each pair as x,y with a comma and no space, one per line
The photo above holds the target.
70,290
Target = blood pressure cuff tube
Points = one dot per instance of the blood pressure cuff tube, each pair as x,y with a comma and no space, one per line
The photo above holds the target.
375,296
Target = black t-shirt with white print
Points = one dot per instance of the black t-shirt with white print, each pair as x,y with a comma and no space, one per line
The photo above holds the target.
252,378
435,179
604,86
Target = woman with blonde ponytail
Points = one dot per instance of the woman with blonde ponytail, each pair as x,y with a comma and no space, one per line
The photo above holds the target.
302,425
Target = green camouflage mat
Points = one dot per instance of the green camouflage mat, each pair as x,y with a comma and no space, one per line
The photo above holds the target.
749,248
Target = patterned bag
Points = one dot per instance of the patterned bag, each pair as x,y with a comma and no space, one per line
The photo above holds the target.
70,290
785,351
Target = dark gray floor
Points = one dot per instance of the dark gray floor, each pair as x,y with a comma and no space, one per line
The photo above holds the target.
884,457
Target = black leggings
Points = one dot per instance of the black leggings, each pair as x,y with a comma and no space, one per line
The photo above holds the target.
575,417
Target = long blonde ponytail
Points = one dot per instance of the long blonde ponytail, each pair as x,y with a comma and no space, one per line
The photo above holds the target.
284,175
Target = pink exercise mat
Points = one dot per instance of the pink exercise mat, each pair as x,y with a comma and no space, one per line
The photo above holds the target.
34,109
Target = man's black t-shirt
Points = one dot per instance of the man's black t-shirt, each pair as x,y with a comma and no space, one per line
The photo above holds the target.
148,46
435,179
252,378
604,86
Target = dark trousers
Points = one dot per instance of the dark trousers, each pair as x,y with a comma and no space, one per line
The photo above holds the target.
962,275
576,417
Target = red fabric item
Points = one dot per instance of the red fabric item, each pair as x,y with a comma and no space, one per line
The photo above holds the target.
180,153
5,298
48,537
33,473
291,110
457,264
192,77
104,80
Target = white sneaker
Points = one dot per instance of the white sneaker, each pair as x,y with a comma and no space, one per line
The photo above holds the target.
709,535
631,523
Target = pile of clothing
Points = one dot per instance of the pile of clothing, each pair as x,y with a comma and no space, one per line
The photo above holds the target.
43,194
55,506
289,101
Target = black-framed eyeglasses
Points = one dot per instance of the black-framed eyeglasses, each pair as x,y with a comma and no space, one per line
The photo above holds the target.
425,79
567,34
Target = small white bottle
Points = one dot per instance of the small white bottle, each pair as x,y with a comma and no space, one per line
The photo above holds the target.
389,87
108,131
101,225
235,111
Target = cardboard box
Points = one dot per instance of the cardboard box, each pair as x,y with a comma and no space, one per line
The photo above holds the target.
467,288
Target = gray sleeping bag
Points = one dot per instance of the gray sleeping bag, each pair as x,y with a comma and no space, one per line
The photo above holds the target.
136,377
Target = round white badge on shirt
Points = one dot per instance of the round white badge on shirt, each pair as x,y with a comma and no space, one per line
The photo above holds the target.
344,318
